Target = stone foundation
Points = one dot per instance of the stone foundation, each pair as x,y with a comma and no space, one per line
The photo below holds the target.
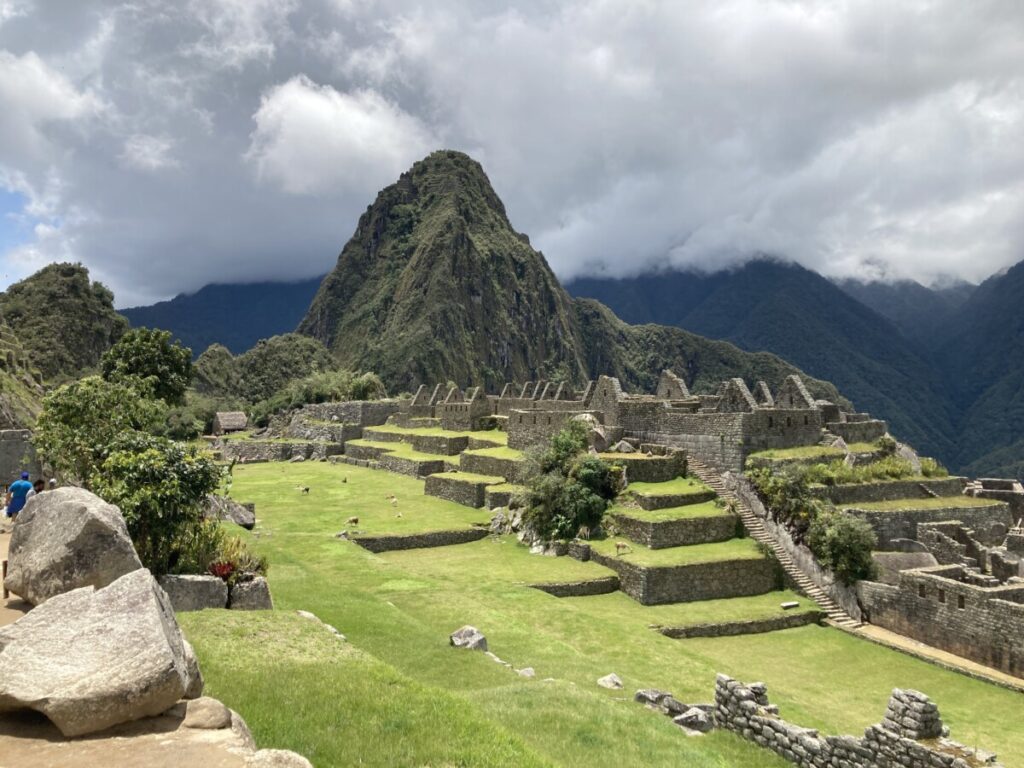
751,627
420,540
511,469
455,487
676,533
861,493
902,523
667,501
603,586
649,469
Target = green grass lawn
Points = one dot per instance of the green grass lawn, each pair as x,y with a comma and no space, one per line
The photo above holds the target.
399,608
493,435
678,485
472,477
813,451
508,488
943,502
704,509
365,494
403,450
498,452
733,549
619,607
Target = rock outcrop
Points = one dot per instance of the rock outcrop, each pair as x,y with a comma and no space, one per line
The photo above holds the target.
252,595
194,593
65,539
90,659
223,508
468,637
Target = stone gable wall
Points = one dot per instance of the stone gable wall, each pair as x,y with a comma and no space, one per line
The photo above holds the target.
365,413
926,605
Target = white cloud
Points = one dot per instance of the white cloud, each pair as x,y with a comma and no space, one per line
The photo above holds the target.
311,139
170,144
148,153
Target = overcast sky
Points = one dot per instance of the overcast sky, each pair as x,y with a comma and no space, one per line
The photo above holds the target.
171,144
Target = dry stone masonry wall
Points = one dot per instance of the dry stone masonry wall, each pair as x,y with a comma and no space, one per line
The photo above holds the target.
911,735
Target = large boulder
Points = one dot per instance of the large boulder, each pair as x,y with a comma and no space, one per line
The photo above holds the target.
65,539
194,593
93,658
223,508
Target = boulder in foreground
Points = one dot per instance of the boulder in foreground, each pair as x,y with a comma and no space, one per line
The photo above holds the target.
194,593
65,539
91,659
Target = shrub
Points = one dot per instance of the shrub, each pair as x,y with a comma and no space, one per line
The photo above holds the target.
843,544
161,488
567,489
80,421
932,468
789,500
887,445
838,472
328,386
149,355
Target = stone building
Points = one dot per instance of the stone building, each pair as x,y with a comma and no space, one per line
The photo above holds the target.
226,422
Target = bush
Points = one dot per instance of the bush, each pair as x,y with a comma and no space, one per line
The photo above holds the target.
568,490
161,488
329,386
932,468
81,421
789,500
838,472
843,544
149,355
208,549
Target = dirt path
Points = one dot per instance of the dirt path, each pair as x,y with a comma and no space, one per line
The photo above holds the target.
13,608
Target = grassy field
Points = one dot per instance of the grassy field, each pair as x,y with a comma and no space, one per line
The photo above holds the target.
498,452
408,699
813,451
403,450
704,509
733,549
943,502
672,487
493,435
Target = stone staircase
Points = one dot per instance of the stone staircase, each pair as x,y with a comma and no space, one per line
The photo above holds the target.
755,527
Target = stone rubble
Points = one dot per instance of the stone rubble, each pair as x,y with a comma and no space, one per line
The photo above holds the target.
469,638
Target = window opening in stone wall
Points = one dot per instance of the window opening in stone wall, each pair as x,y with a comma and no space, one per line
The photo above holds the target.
806,422
961,603
771,422
789,422
942,595
920,590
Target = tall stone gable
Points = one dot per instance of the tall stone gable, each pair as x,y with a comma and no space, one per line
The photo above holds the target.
793,394
671,387
734,397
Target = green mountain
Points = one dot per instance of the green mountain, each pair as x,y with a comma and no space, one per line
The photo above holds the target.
918,311
21,390
65,321
802,317
435,284
236,315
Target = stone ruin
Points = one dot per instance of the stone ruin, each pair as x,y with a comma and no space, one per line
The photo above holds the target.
911,735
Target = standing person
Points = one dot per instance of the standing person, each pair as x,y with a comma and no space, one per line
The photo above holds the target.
17,494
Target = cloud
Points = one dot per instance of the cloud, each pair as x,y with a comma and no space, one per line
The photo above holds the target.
311,139
171,144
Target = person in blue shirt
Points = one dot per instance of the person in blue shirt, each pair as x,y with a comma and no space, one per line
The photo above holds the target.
17,495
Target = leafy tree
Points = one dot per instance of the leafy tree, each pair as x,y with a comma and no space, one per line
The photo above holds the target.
160,486
568,489
149,355
323,387
843,543
82,420
273,363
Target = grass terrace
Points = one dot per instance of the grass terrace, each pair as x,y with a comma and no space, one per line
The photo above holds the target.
733,549
704,509
507,488
679,485
404,450
472,477
943,502
338,492
405,698
813,452
494,435
498,452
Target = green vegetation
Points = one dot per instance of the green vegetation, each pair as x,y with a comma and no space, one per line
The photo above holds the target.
943,502
837,472
676,486
150,357
567,490
705,509
498,452
472,477
338,492
404,450
400,607
843,544
733,549
65,321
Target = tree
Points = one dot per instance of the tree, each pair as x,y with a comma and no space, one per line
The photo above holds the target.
843,543
148,354
81,421
161,488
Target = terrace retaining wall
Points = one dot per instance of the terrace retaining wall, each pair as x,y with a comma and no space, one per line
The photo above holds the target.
420,540
749,627
902,523
676,533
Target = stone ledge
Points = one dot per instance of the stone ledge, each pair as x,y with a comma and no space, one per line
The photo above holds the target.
676,533
602,586
379,544
748,627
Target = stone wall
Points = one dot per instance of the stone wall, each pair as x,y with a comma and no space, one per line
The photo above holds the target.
302,427
902,523
365,413
17,455
689,583
748,627
676,533
910,736
411,467
255,451
936,607
641,468
438,444
420,540
531,427
494,466
469,493
861,493
859,431
603,586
